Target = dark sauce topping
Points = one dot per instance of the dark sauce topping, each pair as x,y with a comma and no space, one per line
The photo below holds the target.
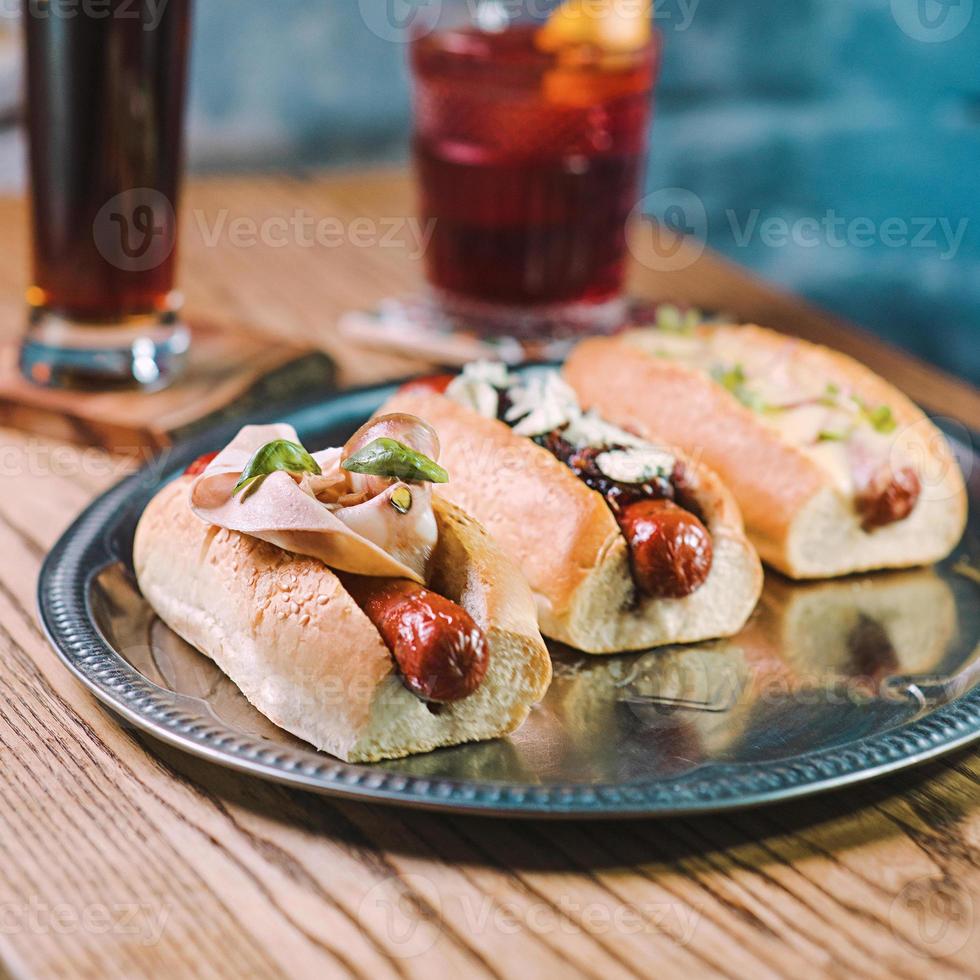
582,462
669,545
504,403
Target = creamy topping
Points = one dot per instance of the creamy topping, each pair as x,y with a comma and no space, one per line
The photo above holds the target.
634,465
348,521
589,429
539,402
477,386
827,420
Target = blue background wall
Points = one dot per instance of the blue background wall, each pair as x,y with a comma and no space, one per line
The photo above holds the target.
861,112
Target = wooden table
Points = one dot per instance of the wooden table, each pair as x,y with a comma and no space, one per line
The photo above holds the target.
124,859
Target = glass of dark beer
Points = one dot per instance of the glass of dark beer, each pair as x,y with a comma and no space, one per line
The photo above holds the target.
105,99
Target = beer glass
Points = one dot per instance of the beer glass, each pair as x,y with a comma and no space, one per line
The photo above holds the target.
105,101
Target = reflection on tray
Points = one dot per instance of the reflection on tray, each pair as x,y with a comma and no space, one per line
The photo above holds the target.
867,627
812,669
809,670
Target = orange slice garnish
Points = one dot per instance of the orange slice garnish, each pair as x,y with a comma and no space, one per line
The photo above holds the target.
611,25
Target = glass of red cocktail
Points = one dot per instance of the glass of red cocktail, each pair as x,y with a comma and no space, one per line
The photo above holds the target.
531,126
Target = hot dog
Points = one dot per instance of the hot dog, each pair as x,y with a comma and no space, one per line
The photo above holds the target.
625,543
441,653
343,599
835,470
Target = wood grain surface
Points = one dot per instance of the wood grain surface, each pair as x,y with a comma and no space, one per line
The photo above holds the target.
125,859
225,365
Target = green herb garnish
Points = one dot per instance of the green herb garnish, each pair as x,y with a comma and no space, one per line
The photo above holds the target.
735,380
881,418
388,457
670,319
280,454
830,395
826,435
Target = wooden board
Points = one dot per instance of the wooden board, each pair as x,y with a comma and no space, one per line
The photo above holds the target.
228,370
122,859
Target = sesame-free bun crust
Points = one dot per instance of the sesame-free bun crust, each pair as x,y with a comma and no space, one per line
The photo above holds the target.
564,538
798,517
283,628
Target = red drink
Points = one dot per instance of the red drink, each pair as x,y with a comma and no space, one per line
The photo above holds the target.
530,163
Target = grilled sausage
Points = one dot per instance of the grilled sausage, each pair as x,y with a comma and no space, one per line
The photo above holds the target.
440,651
670,549
889,497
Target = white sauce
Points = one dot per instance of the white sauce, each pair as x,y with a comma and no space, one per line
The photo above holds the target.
477,387
541,402
801,403
634,465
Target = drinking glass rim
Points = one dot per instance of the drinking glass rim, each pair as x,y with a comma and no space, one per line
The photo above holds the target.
587,56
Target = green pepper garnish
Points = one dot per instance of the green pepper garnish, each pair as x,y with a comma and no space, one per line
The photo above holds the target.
280,454
388,457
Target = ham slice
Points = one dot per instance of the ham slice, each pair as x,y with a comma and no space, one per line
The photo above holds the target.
307,514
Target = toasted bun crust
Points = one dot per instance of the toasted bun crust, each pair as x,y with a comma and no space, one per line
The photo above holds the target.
283,628
566,541
797,516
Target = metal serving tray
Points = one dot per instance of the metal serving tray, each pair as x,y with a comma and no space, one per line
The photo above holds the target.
829,683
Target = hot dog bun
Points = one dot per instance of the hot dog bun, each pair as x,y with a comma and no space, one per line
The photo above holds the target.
794,498
565,539
302,651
